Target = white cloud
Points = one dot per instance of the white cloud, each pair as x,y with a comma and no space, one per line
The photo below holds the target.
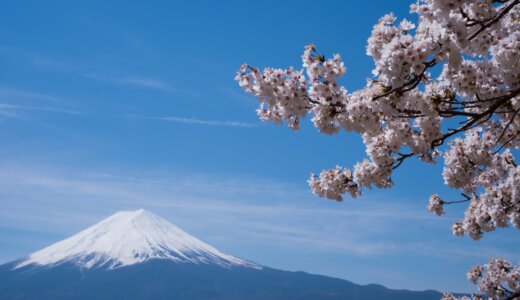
137,81
194,121
238,202
142,82
14,94
17,103
6,108
38,60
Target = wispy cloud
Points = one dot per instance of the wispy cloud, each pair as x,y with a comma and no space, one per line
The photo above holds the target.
239,95
315,239
142,82
243,206
39,61
137,81
88,71
7,93
194,121
6,109
232,202
17,104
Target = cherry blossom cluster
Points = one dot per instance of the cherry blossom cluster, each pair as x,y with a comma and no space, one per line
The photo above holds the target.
498,279
435,205
334,183
399,114
283,93
471,164
449,296
468,114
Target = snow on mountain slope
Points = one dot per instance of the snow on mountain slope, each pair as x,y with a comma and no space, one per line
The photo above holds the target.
131,237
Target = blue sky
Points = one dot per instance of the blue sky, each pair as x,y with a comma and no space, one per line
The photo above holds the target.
108,106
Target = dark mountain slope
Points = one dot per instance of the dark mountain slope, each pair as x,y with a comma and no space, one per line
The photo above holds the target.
163,279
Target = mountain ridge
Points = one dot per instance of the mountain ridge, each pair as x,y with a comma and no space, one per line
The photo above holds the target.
136,255
164,279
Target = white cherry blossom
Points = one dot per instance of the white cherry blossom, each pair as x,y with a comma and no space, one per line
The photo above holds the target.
468,114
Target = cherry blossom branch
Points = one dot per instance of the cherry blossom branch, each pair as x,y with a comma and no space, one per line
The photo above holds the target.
411,84
513,296
487,23
478,118
401,159
507,126
455,202
466,199
414,110
507,142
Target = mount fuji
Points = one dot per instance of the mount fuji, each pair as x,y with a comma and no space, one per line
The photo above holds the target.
137,255
127,238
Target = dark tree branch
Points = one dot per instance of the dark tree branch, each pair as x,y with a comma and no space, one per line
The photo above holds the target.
507,126
399,161
479,118
411,84
485,24
507,142
513,296
466,199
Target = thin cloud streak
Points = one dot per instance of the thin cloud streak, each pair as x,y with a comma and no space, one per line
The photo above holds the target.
69,67
41,188
239,95
141,82
38,60
5,108
315,239
10,93
190,199
193,121
133,81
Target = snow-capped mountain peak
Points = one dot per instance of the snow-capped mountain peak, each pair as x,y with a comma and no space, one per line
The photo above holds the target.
131,237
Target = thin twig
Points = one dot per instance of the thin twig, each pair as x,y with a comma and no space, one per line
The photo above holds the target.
487,23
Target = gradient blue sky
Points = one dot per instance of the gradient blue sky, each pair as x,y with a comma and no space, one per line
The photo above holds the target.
117,105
